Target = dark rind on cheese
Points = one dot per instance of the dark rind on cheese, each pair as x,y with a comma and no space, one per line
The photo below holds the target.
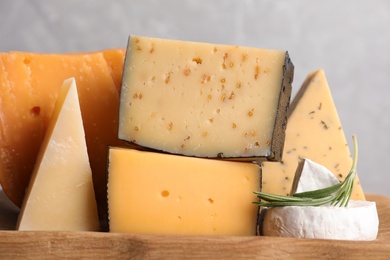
301,92
258,219
279,134
256,160
297,175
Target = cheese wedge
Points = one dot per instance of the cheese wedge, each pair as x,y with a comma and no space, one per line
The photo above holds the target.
205,100
314,131
29,89
60,195
153,193
358,221
312,176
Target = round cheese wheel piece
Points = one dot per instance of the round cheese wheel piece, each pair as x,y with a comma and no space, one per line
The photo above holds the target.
358,221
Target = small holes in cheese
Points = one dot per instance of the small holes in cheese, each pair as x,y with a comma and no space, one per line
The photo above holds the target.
35,111
165,193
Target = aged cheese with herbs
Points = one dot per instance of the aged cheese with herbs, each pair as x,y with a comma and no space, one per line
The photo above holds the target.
30,85
314,131
153,193
358,221
205,100
60,195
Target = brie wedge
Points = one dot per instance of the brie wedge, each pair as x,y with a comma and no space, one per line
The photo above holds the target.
358,221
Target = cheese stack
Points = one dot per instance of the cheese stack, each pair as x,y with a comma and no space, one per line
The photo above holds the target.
202,101
30,84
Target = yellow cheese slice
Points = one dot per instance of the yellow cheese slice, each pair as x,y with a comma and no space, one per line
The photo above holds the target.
60,195
205,100
314,131
153,193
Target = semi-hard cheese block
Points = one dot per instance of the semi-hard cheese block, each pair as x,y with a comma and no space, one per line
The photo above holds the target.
205,100
314,131
30,84
60,195
154,193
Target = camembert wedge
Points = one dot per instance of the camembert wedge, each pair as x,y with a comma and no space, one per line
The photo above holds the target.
357,221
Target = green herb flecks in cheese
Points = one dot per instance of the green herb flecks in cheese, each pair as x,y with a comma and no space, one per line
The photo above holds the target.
314,131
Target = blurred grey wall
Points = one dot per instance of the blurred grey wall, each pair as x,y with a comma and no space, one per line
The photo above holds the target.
349,39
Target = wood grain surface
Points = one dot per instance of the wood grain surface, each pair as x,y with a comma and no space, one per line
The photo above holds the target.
99,245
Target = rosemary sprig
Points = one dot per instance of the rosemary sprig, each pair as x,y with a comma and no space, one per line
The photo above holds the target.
338,194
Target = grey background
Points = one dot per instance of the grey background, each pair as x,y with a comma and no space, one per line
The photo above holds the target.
349,39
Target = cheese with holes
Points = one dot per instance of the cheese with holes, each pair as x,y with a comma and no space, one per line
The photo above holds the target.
30,85
358,221
153,193
314,131
60,195
205,100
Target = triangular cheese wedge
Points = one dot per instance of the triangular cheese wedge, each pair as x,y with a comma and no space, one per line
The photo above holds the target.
313,131
61,195
312,176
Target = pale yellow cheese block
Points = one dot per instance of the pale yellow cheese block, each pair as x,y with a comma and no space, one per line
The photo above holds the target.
314,131
60,195
153,193
205,100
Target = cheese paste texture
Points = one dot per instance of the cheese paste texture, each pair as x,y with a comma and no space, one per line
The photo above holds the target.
358,221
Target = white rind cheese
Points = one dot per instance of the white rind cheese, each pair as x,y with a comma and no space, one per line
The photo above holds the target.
313,176
358,221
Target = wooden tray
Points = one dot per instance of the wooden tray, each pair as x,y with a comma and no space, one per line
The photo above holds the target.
98,245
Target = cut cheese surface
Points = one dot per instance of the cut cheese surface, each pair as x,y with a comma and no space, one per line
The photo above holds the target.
29,88
153,193
205,100
314,131
61,195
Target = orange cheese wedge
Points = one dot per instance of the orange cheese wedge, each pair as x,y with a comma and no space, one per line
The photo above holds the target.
29,88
